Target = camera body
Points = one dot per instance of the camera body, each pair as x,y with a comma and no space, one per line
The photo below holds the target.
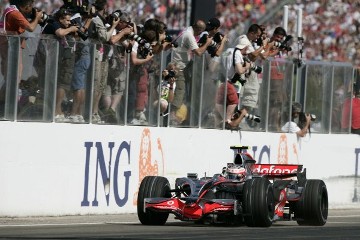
144,47
171,74
169,39
82,35
260,40
237,78
255,68
312,117
44,16
215,43
115,16
284,45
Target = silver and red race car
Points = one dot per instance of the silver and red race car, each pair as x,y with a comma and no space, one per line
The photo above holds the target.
245,192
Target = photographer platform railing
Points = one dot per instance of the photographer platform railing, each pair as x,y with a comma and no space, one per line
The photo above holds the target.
321,87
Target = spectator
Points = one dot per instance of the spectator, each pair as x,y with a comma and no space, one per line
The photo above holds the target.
117,69
302,127
62,29
187,45
99,32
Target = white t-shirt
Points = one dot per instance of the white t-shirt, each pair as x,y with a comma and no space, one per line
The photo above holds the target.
187,43
290,127
227,61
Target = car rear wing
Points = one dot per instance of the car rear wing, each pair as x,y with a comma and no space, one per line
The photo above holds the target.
277,170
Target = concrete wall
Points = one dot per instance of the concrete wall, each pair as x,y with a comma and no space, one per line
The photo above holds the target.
63,169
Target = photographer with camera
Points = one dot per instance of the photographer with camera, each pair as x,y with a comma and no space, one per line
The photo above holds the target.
233,66
250,91
217,44
81,66
300,122
212,63
187,46
115,87
165,91
98,31
141,59
63,30
14,20
278,86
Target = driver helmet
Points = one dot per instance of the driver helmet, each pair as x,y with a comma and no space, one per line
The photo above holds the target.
235,172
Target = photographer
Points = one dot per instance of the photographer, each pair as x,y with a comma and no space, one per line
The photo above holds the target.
141,56
14,18
100,33
165,91
216,47
212,62
82,64
65,32
187,46
233,66
302,126
278,85
13,21
250,91
115,87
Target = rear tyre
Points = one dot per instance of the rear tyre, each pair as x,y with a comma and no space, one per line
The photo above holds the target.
312,208
152,187
258,202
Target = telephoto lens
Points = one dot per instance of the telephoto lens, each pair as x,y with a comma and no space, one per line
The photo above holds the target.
253,117
256,69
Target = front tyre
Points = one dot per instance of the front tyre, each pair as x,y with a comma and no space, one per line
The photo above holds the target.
312,208
152,187
258,202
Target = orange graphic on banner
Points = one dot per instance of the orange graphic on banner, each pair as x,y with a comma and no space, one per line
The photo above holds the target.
283,150
147,167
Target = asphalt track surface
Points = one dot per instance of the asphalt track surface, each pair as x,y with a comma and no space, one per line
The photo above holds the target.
342,224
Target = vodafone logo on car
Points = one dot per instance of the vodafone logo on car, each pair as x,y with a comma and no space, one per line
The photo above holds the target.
275,169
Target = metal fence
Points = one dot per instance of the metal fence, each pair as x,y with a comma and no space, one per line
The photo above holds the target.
323,88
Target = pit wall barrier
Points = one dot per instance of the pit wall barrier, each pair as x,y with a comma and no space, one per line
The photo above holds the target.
49,169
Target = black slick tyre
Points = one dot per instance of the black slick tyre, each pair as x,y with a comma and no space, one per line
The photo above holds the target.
312,208
258,202
151,187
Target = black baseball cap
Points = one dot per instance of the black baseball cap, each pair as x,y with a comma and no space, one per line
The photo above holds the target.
212,23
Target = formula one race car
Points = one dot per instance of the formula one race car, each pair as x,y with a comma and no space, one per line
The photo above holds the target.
245,192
